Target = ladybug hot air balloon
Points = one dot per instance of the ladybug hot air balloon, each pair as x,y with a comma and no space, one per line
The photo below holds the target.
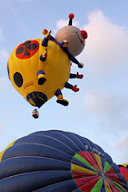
40,68
58,161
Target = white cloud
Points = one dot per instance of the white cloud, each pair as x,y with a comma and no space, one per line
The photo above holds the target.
2,128
121,147
106,55
107,44
63,22
4,53
109,107
98,100
106,67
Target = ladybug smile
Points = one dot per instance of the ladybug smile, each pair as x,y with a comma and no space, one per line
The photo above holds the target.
28,84
79,37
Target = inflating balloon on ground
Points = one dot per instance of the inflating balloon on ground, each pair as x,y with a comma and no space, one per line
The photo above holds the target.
58,161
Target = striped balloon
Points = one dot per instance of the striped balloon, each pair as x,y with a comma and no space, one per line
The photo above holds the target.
58,161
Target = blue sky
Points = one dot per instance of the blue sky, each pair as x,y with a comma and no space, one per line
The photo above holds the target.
99,111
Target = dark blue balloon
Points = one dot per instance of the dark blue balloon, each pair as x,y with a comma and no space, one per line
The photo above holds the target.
56,161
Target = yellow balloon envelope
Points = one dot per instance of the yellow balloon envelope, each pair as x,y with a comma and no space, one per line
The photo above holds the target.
26,68
40,68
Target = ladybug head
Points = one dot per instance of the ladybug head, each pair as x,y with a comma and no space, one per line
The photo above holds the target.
73,35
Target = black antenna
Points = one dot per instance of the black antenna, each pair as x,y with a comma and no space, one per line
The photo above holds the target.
71,16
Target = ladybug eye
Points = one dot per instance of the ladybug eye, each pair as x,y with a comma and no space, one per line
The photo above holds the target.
84,34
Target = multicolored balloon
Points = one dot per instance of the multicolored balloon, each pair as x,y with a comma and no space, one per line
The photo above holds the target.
58,161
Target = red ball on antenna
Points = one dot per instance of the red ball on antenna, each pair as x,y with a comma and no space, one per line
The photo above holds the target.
71,16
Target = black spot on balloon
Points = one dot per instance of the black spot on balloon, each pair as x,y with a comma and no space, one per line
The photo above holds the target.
26,53
18,79
32,46
20,50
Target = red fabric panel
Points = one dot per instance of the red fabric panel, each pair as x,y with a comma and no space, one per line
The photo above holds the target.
77,174
90,158
89,185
